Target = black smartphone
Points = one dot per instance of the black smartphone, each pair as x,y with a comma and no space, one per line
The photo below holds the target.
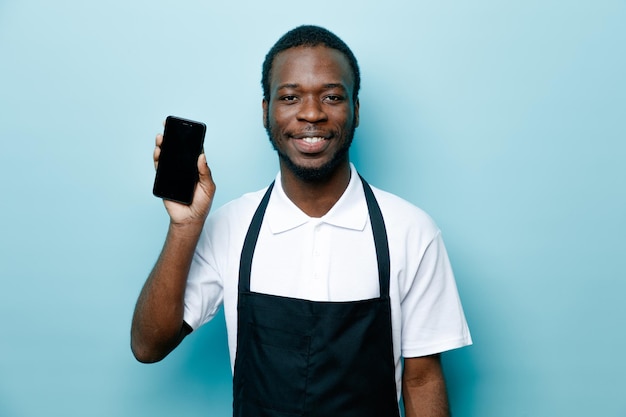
177,170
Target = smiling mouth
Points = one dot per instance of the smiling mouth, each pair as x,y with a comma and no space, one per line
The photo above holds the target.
311,136
311,143
313,140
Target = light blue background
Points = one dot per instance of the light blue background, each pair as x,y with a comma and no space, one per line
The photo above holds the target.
506,121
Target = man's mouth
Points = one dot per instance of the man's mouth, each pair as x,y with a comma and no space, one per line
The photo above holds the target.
313,140
310,144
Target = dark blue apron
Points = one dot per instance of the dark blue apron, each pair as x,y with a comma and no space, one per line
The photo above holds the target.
316,359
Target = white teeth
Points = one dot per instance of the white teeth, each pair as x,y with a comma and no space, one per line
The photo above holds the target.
312,140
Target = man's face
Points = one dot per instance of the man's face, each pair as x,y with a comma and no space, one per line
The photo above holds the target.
310,117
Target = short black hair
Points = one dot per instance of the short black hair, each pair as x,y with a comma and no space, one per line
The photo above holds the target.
309,35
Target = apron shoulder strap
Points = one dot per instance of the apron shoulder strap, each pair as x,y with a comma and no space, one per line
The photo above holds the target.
249,243
380,239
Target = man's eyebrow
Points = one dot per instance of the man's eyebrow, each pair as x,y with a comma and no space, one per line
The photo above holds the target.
335,85
288,85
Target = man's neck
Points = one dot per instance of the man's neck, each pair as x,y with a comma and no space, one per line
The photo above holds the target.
316,198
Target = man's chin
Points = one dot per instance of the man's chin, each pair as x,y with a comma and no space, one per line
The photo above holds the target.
317,173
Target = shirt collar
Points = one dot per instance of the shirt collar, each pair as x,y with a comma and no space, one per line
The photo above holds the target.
349,212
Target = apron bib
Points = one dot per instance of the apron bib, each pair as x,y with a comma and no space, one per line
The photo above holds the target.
298,358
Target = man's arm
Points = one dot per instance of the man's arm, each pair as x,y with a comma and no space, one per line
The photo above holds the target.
158,326
424,388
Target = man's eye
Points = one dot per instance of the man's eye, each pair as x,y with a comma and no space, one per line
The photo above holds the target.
288,98
334,98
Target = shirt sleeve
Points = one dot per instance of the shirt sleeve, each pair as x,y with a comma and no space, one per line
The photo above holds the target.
204,291
432,316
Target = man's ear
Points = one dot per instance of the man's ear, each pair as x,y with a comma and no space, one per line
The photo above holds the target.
356,113
265,110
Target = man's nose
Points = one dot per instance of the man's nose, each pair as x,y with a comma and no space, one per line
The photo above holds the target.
311,110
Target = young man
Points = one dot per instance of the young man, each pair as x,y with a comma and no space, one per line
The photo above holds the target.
338,297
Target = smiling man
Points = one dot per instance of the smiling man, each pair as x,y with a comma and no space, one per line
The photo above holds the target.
310,112
338,297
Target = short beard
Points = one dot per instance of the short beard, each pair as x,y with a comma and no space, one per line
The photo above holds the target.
318,174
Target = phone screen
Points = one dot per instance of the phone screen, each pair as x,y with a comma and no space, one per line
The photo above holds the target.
177,171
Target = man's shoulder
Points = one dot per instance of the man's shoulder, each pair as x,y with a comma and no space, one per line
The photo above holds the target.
226,227
239,208
403,214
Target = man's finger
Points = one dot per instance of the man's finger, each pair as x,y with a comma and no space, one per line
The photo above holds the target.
155,156
203,167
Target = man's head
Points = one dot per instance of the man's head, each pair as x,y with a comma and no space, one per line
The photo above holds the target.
310,104
309,36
